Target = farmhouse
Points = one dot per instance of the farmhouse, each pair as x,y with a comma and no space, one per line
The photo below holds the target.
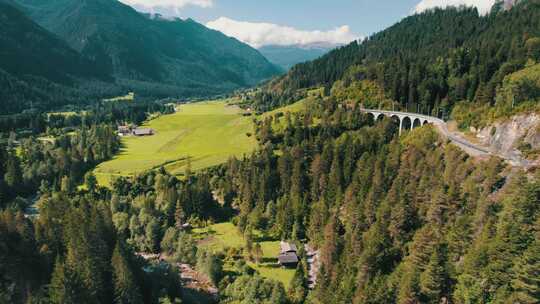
124,130
143,132
288,255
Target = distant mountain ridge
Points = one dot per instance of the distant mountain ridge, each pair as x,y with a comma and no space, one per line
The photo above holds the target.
178,58
288,56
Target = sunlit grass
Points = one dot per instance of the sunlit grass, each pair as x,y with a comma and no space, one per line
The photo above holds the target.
206,133
219,237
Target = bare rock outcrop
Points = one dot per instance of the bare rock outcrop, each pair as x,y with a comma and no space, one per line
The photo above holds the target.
509,136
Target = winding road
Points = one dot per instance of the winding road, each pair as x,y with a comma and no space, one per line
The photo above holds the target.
412,120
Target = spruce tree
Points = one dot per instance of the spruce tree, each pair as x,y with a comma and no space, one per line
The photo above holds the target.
432,279
297,289
526,283
278,294
126,290
65,287
13,176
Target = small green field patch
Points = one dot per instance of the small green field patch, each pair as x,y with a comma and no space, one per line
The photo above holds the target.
219,237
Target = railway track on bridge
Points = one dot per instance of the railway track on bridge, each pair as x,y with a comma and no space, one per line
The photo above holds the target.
441,126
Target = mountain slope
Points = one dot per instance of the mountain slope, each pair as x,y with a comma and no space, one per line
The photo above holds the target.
288,56
182,55
35,65
430,61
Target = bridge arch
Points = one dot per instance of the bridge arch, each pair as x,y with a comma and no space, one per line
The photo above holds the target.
406,123
417,123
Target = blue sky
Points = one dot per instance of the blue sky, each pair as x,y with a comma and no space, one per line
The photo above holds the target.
287,22
363,16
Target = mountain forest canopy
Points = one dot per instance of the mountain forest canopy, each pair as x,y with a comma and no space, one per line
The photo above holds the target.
427,62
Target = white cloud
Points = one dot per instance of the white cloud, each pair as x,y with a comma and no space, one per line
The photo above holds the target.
150,5
483,5
261,34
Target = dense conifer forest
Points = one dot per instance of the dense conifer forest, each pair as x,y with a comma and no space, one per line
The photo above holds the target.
404,219
428,62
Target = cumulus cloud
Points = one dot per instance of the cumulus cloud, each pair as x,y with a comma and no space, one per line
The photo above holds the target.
261,34
483,5
175,5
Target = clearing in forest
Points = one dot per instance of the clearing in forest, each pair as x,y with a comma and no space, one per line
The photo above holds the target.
206,133
220,237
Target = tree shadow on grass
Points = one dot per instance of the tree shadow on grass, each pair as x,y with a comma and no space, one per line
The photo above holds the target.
269,261
270,265
264,238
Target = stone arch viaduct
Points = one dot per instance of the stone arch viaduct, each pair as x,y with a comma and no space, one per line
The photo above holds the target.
407,121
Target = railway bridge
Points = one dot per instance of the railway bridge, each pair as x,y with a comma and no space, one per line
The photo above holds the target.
407,121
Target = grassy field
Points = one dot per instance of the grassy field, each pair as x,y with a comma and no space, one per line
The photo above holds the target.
217,237
207,133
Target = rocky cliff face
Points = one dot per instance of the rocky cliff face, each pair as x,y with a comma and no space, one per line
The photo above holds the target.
516,137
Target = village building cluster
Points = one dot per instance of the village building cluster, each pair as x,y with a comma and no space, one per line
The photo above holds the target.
129,130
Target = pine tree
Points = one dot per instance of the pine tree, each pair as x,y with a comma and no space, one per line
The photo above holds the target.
533,49
65,287
152,235
278,294
526,283
90,181
126,290
432,279
408,291
297,289
258,253
13,176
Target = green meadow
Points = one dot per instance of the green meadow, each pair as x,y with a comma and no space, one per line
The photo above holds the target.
219,237
204,134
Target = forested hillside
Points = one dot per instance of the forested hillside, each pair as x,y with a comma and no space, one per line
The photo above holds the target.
375,214
408,219
153,56
36,66
397,220
84,51
428,62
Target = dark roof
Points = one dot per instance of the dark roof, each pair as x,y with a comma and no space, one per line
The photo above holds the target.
288,258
